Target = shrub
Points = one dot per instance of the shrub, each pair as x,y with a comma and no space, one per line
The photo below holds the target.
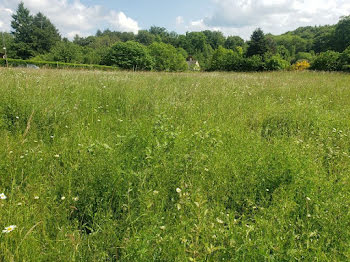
129,55
300,65
167,58
254,63
276,63
327,61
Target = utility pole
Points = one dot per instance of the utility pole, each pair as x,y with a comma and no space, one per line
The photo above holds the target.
4,48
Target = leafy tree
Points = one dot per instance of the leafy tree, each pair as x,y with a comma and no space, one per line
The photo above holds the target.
220,59
327,61
342,34
144,37
166,57
129,55
258,44
22,25
84,41
324,39
232,42
66,52
214,38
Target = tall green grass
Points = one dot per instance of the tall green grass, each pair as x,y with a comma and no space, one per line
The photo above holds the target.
118,166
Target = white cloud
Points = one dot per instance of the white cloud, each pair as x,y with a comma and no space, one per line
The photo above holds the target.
241,17
71,16
122,22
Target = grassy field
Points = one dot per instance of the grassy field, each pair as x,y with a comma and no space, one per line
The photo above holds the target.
102,166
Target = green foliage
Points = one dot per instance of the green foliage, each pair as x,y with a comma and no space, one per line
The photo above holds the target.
32,35
144,37
232,42
129,55
258,44
342,34
66,52
167,58
327,61
214,38
276,63
254,63
22,25
303,56
45,35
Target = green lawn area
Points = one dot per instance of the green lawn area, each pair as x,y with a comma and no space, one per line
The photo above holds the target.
122,166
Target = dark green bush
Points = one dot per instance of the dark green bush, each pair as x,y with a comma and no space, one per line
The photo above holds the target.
327,61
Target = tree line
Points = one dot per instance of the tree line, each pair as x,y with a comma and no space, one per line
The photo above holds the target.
323,47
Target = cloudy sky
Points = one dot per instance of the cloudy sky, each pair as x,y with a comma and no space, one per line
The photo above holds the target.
233,17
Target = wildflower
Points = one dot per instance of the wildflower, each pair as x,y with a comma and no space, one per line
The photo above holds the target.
19,204
155,192
9,229
219,220
36,197
162,227
57,156
75,199
2,196
308,199
178,190
21,157
308,215
63,198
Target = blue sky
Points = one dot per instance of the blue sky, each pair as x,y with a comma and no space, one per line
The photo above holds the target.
232,17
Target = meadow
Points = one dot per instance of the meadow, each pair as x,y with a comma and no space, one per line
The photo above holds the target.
123,166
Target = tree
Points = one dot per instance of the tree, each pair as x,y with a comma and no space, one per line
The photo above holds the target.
45,34
22,25
66,52
144,37
258,44
129,55
214,38
342,34
232,42
166,57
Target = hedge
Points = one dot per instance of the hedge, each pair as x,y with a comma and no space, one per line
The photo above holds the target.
47,64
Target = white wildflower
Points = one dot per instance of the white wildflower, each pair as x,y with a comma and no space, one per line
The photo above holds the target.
3,196
9,229
75,199
36,197
178,190
63,198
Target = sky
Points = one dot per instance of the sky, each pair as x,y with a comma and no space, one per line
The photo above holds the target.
232,17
